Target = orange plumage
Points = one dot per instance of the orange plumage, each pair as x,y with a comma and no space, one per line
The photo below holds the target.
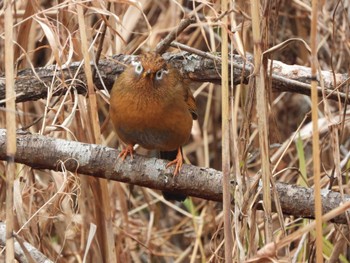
152,106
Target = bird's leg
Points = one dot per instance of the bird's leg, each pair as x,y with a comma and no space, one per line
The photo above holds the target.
178,162
129,149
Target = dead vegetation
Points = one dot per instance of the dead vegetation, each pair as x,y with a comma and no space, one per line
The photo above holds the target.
58,212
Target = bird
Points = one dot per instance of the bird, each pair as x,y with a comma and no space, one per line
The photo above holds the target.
151,104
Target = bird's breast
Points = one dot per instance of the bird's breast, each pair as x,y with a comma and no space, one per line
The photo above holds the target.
162,124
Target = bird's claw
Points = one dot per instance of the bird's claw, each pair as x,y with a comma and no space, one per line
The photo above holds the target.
126,151
178,162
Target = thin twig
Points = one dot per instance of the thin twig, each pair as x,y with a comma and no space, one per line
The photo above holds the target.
225,142
102,38
196,51
165,43
11,128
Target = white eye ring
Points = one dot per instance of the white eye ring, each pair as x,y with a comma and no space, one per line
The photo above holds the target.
160,73
138,67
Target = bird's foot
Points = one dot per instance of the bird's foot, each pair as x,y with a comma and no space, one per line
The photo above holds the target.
129,149
178,162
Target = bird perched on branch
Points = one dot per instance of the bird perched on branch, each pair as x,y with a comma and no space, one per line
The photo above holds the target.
151,105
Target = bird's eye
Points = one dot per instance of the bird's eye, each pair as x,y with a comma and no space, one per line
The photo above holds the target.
138,67
160,74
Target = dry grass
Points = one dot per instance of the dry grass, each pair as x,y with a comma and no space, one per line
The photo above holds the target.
56,211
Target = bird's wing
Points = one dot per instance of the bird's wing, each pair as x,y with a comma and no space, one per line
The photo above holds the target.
190,101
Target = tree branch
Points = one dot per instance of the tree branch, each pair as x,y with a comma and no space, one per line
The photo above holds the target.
165,43
23,249
33,84
43,152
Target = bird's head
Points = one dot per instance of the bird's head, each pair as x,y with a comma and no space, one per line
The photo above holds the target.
151,69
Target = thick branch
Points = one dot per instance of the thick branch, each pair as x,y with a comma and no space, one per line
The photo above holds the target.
30,86
95,160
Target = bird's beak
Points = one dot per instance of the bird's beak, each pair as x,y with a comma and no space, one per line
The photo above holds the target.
146,73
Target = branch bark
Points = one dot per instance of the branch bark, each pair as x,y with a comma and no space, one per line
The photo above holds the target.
41,152
23,249
33,84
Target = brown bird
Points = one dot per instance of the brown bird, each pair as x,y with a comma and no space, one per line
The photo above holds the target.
151,105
